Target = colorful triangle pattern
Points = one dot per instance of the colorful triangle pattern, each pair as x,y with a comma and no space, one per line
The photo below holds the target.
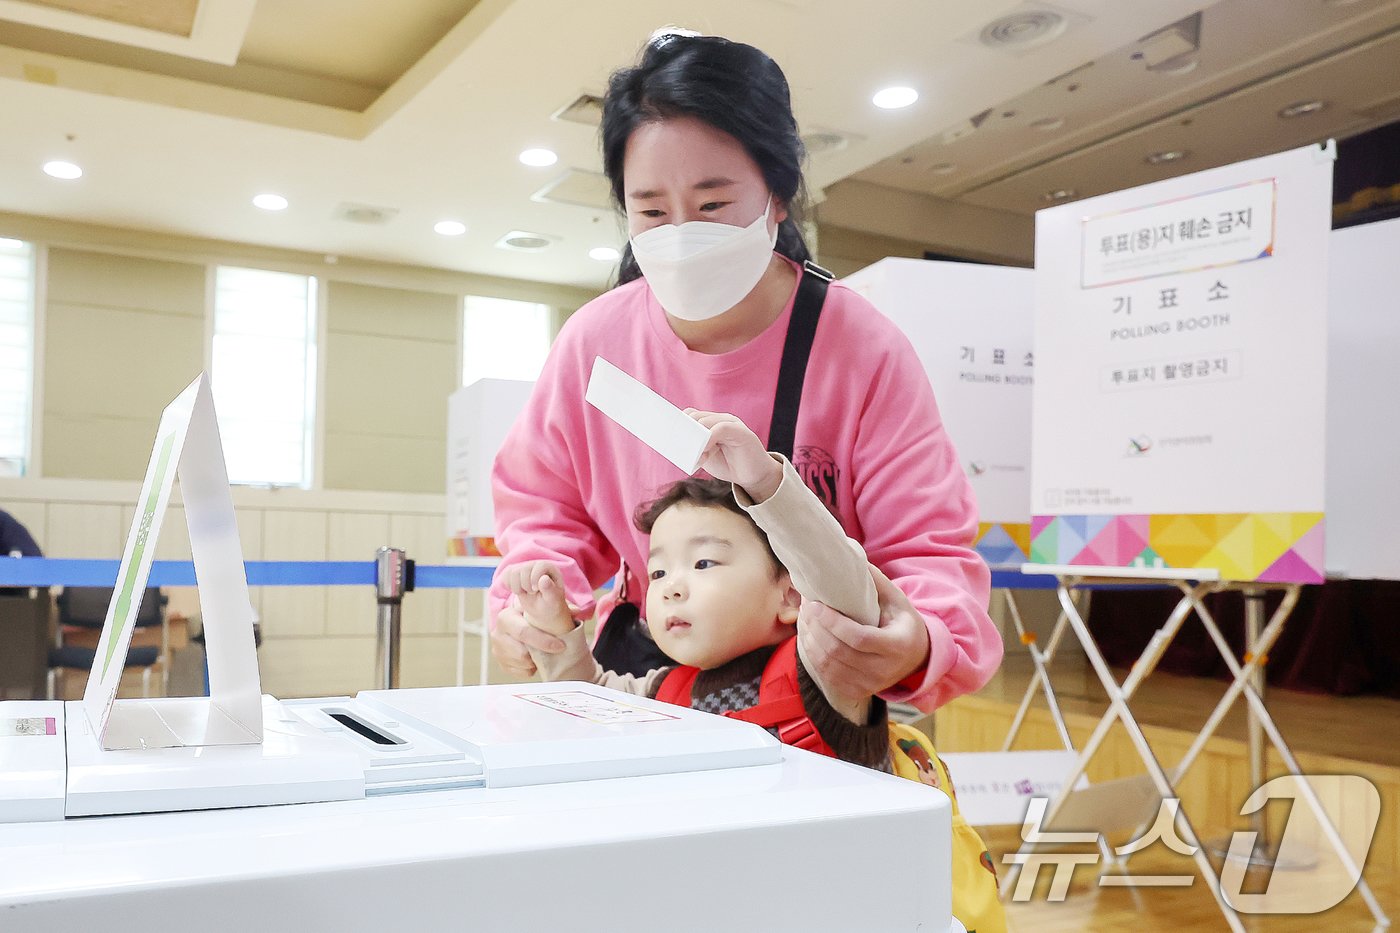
1277,547
1004,545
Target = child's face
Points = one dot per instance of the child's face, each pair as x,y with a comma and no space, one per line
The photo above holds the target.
715,594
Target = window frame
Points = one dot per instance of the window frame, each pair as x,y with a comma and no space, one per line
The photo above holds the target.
550,321
30,434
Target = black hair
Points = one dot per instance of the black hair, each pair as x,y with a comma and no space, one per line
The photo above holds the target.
700,493
731,86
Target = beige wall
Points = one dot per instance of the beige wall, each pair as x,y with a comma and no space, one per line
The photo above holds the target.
124,322
391,361
122,336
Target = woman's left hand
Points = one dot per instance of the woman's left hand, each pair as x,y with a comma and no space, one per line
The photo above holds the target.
864,660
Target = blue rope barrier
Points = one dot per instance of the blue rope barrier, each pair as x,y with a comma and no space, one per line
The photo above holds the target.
48,571
426,577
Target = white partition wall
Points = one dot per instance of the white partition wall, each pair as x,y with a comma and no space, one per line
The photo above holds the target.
478,418
1181,350
1363,397
971,326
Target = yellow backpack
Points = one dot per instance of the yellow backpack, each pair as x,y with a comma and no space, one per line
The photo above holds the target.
976,903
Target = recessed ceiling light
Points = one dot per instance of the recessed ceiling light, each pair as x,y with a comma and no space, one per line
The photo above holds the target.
1048,124
450,227
943,168
1302,108
538,158
65,170
7,243
270,202
1059,194
1165,156
893,98
524,241
604,254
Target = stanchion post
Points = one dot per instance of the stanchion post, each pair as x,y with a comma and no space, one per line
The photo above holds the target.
393,578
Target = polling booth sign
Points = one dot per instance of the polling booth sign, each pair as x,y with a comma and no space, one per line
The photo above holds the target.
1179,409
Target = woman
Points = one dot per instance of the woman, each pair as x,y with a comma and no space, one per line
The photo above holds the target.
703,154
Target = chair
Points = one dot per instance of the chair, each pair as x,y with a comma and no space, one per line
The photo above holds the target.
24,641
82,610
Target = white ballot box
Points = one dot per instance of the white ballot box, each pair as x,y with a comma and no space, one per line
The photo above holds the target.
510,807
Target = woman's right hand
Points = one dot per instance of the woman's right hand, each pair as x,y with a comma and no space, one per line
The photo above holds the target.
512,639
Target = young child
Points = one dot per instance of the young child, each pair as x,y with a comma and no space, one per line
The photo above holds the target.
731,560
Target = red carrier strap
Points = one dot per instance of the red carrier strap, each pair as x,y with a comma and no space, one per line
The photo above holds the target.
779,704
675,686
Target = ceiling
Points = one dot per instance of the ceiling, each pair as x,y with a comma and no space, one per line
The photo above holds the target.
376,120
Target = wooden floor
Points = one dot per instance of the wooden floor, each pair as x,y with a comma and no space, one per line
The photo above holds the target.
1364,728
1361,734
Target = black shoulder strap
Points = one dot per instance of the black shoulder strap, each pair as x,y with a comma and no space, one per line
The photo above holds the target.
802,328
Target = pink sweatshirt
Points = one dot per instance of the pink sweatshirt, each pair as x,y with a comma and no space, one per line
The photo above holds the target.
869,442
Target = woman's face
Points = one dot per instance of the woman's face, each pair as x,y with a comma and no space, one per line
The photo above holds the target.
682,169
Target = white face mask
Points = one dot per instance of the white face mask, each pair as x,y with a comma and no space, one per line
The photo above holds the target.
699,270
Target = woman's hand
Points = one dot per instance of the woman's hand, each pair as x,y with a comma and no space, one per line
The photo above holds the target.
735,454
864,660
512,640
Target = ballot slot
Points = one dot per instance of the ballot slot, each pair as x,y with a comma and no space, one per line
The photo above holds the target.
362,728
399,754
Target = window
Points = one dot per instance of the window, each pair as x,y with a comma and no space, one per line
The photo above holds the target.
16,354
264,374
503,339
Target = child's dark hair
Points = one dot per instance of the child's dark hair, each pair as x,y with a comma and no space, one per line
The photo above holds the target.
702,493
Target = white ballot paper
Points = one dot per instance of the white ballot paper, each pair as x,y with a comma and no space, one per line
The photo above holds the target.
647,416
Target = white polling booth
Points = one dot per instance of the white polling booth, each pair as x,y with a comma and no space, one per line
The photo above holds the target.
479,416
559,806
1363,387
972,328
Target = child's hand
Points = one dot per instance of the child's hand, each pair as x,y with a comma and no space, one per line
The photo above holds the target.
735,453
539,588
